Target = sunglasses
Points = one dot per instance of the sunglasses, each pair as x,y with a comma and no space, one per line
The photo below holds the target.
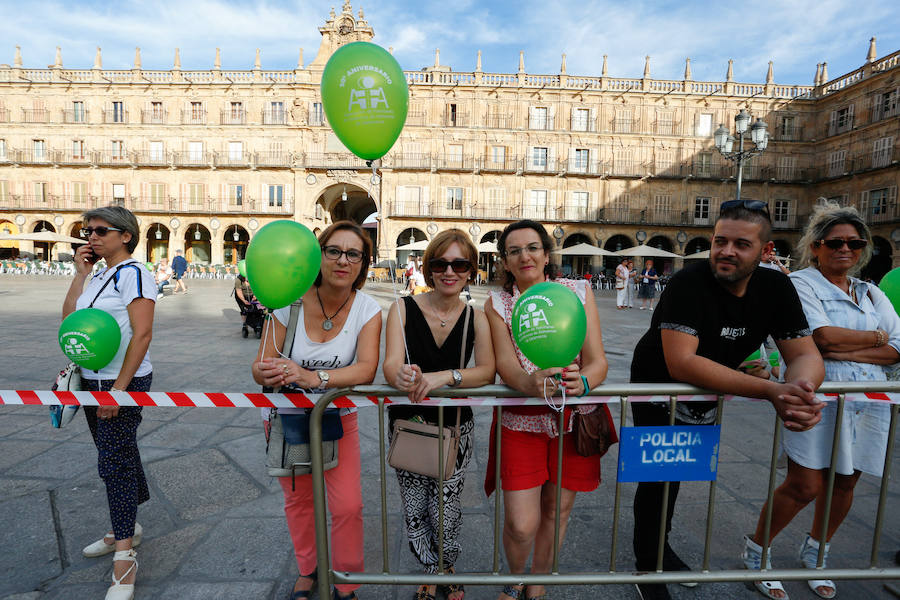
751,205
100,231
334,253
838,243
459,265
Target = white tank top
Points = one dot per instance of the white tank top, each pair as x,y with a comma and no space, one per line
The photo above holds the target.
337,352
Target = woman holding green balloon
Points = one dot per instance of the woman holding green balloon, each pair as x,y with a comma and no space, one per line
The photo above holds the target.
127,291
529,434
335,346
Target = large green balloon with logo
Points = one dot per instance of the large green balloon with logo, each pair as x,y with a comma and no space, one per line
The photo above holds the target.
365,98
90,338
549,325
890,285
282,261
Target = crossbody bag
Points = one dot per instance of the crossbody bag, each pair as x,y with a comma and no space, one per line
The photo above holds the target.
287,436
415,446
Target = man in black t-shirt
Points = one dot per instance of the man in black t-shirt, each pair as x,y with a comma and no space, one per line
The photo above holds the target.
710,317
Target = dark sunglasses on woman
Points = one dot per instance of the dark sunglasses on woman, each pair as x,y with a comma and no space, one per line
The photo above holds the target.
459,265
838,243
100,231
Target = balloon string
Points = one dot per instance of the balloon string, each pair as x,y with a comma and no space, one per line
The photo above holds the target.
548,399
269,325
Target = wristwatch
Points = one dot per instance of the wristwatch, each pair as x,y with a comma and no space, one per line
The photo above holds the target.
457,378
323,377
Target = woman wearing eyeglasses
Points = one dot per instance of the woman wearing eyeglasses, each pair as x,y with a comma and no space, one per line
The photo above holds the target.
529,434
858,333
335,345
424,342
126,290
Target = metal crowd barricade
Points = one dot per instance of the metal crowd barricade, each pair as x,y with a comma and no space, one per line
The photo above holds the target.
621,395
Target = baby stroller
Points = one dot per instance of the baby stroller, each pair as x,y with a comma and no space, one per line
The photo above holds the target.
255,315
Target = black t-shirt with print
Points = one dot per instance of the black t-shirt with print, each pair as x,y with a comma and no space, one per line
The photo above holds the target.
729,328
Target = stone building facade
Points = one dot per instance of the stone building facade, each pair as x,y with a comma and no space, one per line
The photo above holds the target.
206,158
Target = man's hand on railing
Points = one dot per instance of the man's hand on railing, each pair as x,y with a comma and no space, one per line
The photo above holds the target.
796,404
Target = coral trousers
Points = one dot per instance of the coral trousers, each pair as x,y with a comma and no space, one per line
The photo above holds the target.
344,493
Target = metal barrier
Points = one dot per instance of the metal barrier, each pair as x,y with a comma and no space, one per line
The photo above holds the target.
622,395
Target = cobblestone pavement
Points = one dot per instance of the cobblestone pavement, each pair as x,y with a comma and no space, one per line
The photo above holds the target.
214,525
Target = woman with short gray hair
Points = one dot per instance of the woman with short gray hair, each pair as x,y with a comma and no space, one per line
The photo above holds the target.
126,290
858,333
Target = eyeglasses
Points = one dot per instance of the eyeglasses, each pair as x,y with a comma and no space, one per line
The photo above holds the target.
459,265
515,251
334,253
838,243
100,231
751,205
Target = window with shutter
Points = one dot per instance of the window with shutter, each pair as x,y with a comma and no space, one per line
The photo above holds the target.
836,163
79,192
882,151
157,195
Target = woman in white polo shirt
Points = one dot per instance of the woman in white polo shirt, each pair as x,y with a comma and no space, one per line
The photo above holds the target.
127,291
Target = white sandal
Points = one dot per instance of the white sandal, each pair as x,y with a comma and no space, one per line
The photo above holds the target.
101,548
752,557
119,590
809,555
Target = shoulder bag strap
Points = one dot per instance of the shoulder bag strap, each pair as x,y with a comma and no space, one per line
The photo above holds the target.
106,283
289,334
462,360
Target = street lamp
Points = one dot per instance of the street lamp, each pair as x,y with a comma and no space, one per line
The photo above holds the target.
725,142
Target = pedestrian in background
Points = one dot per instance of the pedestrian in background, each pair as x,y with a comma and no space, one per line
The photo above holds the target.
179,270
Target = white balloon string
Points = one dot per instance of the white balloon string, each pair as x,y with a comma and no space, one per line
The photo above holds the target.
549,400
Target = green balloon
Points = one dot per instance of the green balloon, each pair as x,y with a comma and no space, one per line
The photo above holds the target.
890,285
90,337
549,325
754,356
282,261
149,266
365,98
242,267
774,359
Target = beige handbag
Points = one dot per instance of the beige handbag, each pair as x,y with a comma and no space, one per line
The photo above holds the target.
415,445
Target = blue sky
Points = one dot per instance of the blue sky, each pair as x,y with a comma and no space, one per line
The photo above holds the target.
795,34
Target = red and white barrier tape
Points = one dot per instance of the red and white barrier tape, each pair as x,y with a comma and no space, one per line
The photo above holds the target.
259,400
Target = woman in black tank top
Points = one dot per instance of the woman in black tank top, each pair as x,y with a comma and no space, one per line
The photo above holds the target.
423,347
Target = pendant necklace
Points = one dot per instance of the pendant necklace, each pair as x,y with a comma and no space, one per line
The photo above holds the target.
327,324
442,319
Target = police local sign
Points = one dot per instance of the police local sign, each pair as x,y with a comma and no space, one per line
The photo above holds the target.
676,453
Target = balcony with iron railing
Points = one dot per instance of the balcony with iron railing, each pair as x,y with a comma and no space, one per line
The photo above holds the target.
540,123
30,156
273,159
441,209
498,121
72,157
154,116
576,212
456,119
233,116
191,159
840,125
881,212
35,116
416,119
274,116
115,116
540,166
410,162
455,162
150,158
332,160
112,158
71,115
626,168
504,164
232,159
579,124
193,117
576,167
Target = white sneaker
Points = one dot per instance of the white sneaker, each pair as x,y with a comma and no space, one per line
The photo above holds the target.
159,295
101,548
641,308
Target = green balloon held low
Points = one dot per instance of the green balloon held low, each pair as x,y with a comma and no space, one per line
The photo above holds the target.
365,98
90,338
549,325
282,261
242,267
